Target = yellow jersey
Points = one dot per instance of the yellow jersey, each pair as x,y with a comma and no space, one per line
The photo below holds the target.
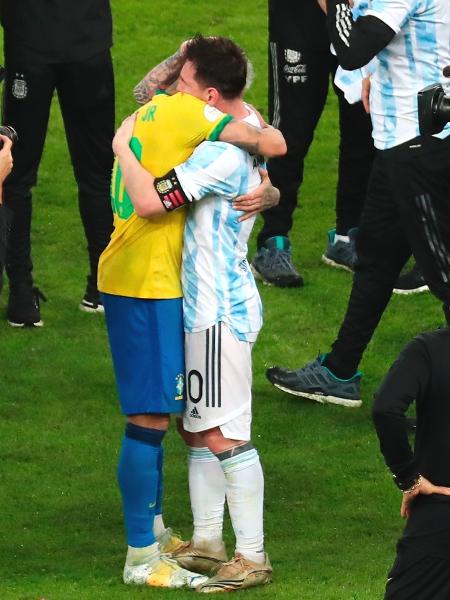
143,257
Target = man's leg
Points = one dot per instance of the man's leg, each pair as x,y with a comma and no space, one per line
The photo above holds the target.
138,476
423,190
146,339
218,368
356,153
298,84
86,95
28,93
244,484
206,550
383,249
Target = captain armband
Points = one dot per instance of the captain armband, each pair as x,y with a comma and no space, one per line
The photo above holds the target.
170,191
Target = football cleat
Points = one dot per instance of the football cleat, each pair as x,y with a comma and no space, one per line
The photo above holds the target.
165,573
238,574
170,542
199,558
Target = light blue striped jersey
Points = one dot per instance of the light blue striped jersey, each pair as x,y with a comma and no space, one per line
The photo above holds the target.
412,60
218,284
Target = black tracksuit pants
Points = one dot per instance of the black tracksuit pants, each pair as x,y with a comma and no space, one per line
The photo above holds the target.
422,566
407,210
86,95
300,67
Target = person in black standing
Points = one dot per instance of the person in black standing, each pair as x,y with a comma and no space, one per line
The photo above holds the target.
300,67
62,46
6,164
422,566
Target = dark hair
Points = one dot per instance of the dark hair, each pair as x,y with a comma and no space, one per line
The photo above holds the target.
219,63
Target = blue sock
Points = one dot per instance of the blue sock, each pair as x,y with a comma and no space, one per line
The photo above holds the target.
138,476
159,495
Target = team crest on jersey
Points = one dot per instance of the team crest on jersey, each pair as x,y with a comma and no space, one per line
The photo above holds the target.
179,386
19,88
292,56
211,113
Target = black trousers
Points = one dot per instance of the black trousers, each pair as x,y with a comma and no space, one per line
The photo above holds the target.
407,210
300,67
421,570
86,95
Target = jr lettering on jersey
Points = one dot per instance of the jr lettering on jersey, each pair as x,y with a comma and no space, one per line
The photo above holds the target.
149,114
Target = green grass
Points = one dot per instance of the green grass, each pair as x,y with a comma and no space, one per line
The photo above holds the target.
331,510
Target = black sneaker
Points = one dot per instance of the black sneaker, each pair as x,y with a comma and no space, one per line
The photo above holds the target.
273,263
23,305
92,302
411,282
317,382
340,254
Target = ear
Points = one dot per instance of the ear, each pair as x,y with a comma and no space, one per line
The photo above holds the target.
212,96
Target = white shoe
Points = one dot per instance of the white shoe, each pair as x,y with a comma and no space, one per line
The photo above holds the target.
165,573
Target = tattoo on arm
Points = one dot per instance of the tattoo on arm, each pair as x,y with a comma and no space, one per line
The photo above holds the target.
159,77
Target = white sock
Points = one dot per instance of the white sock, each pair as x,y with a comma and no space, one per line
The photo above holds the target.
158,526
245,497
207,492
341,238
143,556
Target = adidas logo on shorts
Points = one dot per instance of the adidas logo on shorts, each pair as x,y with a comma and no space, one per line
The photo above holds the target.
194,413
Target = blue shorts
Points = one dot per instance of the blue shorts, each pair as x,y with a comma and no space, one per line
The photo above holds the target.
147,347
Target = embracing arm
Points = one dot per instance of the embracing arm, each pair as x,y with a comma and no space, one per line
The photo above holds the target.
160,77
138,182
147,202
267,141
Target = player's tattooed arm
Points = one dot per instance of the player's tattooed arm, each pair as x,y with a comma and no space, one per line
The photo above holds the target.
161,77
267,141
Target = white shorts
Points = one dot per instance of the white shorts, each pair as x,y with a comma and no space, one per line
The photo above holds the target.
218,383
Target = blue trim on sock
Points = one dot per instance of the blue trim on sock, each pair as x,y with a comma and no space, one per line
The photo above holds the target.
153,437
322,357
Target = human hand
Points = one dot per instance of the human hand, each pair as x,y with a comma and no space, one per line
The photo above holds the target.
426,488
365,94
265,196
6,160
122,138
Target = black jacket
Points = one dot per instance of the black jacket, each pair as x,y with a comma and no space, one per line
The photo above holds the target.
58,30
421,373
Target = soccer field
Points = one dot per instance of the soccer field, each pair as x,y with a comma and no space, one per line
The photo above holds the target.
332,512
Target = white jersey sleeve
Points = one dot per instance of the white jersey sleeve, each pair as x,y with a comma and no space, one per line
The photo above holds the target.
213,169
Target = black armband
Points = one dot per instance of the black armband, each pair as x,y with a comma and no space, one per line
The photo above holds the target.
170,192
355,42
